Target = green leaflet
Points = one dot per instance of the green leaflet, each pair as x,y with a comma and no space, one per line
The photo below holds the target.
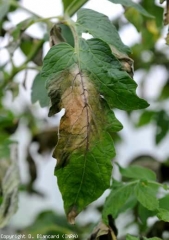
86,81
88,20
163,214
130,3
106,71
137,172
146,194
116,200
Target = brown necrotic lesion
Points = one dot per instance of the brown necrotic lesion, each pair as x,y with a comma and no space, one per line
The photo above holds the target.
80,100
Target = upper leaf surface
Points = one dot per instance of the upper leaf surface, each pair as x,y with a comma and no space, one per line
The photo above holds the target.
106,72
88,22
130,3
85,147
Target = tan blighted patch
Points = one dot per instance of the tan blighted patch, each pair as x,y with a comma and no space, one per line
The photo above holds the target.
80,100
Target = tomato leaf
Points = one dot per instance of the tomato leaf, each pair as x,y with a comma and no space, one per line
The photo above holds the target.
87,81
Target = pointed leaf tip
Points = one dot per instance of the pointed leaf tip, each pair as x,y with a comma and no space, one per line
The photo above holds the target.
71,215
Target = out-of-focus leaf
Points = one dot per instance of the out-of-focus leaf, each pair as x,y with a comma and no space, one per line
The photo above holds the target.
39,92
21,27
164,202
50,223
146,194
144,213
46,139
29,45
165,92
145,118
167,39
163,214
8,123
130,3
155,10
9,183
71,7
116,200
4,7
153,238
162,121
166,14
137,172
103,231
14,88
134,17
130,237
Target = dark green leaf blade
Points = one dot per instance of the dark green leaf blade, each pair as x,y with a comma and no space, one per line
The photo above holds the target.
130,3
137,172
39,92
107,74
88,22
146,194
